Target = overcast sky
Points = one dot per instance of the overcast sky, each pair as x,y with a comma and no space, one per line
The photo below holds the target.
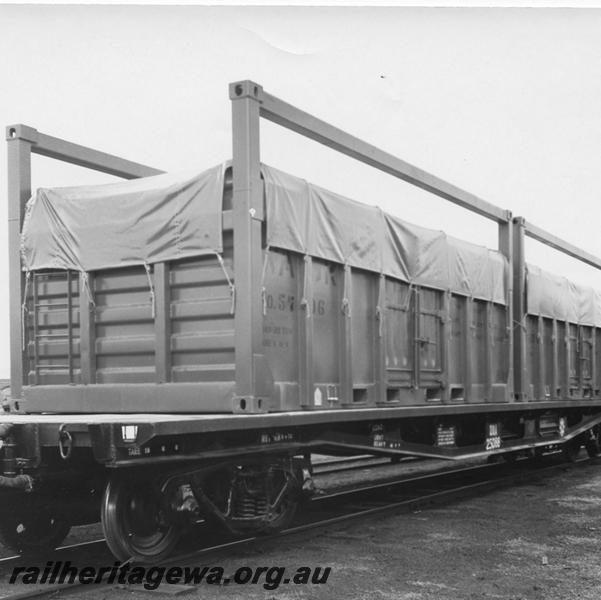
505,103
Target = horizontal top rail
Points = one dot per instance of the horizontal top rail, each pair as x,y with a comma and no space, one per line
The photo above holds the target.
52,147
284,114
540,235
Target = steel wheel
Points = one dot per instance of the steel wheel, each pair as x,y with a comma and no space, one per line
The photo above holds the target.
592,445
32,530
283,515
510,457
571,449
135,523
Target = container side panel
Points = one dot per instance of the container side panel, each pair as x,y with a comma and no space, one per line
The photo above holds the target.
457,349
574,370
326,311
124,326
479,347
363,312
585,360
549,392
202,325
399,334
533,344
500,344
52,329
562,359
281,323
430,340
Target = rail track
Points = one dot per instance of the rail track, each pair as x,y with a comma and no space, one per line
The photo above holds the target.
402,494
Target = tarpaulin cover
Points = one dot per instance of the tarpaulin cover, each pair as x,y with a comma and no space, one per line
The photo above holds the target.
146,220
305,218
556,297
167,217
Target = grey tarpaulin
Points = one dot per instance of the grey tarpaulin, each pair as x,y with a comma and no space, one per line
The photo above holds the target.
310,220
556,297
167,217
142,221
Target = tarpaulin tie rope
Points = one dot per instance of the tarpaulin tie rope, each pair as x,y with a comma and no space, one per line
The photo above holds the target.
24,308
410,289
229,283
304,301
85,280
263,273
379,318
346,303
151,286
521,323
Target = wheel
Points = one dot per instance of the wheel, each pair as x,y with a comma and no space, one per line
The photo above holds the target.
32,529
135,523
571,450
592,445
285,512
537,456
510,457
261,500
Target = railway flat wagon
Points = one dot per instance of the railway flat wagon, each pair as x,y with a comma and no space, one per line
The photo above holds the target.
182,343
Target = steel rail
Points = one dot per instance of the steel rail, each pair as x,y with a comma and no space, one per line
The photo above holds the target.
5,559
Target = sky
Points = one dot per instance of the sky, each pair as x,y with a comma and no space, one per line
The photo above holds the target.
505,103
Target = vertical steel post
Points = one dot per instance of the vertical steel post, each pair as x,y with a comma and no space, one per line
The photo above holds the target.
593,365
306,324
379,361
469,332
556,391
162,323
489,343
567,360
19,191
345,333
87,329
415,381
248,218
542,374
506,248
446,338
520,368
